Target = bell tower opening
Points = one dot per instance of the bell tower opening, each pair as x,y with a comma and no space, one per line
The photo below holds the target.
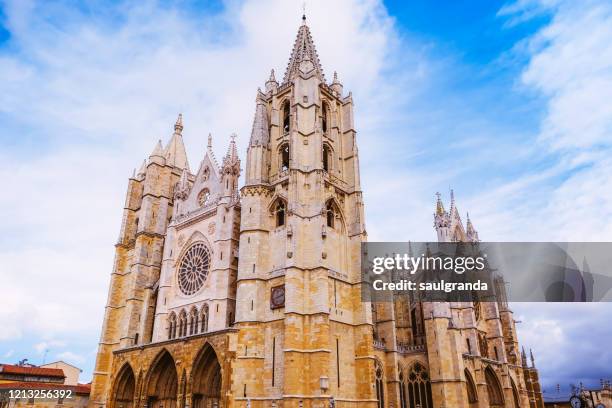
286,117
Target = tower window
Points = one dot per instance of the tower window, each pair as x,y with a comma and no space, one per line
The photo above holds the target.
286,117
284,152
326,157
330,214
380,393
324,118
280,213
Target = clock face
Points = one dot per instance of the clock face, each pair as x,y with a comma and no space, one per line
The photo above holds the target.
575,402
277,297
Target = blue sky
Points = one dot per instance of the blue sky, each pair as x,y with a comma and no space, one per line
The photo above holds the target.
506,102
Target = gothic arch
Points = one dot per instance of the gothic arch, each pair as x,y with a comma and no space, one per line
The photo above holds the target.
172,325
278,210
516,399
472,392
325,116
206,379
124,388
379,379
285,116
193,320
417,385
327,155
284,156
494,389
182,323
338,217
204,318
196,236
162,382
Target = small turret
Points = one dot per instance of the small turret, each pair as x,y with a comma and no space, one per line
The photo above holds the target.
230,169
336,86
182,187
271,84
441,221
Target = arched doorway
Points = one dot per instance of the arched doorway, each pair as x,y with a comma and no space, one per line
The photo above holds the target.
472,393
124,388
515,394
496,396
206,380
163,383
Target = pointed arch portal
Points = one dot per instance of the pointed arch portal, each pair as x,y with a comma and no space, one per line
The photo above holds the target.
206,380
494,389
162,386
124,388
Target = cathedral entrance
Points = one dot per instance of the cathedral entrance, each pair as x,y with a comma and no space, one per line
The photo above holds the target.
206,380
163,383
124,388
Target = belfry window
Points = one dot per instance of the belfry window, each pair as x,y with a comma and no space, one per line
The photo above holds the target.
286,117
280,213
330,214
326,157
284,155
324,118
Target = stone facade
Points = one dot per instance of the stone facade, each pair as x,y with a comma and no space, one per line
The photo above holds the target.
220,299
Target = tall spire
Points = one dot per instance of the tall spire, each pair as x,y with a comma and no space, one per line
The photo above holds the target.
260,133
303,54
175,150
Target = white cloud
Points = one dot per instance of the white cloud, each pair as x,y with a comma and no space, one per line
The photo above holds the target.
70,357
87,98
45,346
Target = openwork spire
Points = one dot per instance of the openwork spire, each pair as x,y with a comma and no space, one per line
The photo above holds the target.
303,53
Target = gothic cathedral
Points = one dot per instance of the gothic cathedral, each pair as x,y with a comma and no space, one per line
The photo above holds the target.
223,297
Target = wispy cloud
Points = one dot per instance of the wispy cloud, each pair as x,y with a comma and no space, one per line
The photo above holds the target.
86,92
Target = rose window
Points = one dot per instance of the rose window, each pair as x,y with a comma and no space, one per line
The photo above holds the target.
194,268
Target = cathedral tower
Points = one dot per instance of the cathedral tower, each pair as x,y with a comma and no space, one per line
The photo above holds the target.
147,212
303,330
